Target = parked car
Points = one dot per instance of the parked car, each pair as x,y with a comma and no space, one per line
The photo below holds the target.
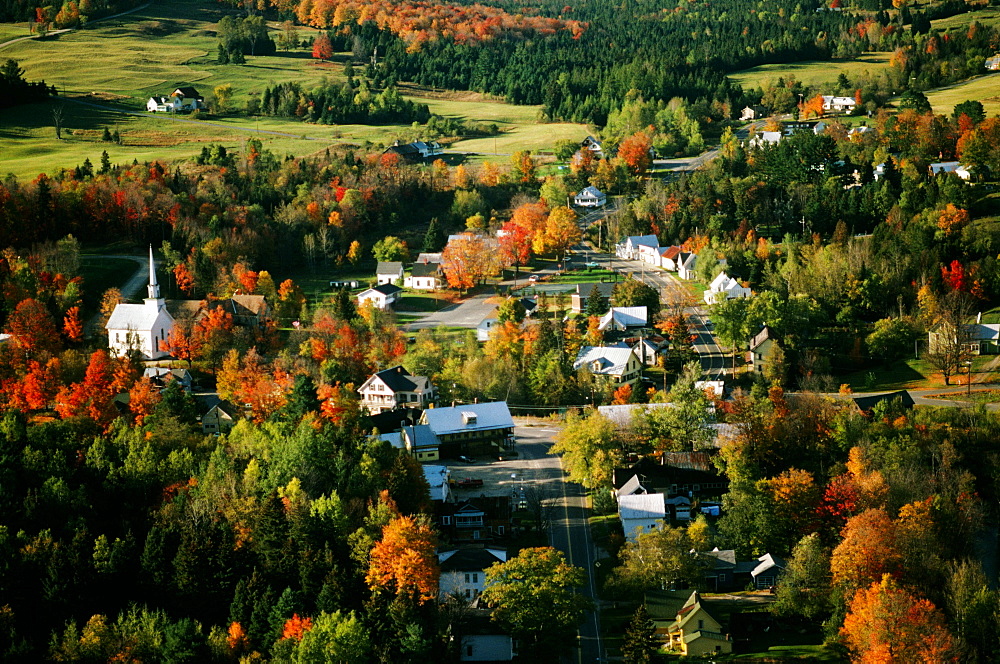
592,265
469,483
533,279
465,459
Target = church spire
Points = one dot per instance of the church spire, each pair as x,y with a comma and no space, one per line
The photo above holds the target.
153,288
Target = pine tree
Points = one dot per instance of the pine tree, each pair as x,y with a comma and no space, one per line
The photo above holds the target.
597,305
640,645
434,238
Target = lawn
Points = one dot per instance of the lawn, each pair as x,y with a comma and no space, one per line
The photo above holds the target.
985,89
167,45
900,375
976,396
812,72
100,274
987,16
10,31
816,653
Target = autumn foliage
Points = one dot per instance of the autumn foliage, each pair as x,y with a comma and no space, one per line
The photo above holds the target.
404,560
887,624
295,627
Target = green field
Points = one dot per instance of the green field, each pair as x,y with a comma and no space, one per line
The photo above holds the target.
985,89
987,16
10,31
165,46
811,72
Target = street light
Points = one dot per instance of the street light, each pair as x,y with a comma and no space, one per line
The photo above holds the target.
968,378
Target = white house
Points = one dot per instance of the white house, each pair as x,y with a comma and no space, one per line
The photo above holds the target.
485,327
394,388
629,247
141,327
648,254
163,105
641,513
685,265
839,104
951,167
594,145
438,479
620,364
381,297
424,276
487,648
668,257
623,318
462,571
590,197
388,272
762,138
755,112
857,133
724,287
993,64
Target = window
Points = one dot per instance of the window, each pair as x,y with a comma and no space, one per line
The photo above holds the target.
468,593
468,650
701,624
475,577
446,521
475,534
499,530
466,577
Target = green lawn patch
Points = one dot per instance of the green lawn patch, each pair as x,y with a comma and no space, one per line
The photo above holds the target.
10,31
812,72
815,653
900,375
411,302
985,89
987,16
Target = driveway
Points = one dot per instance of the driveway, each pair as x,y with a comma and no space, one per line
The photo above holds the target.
468,313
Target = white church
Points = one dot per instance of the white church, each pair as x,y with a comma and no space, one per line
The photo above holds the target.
141,327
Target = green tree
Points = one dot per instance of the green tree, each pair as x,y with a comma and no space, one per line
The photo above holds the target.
892,338
511,309
434,237
597,304
391,248
640,643
223,95
683,426
336,637
804,588
635,293
657,559
972,109
535,595
732,324
589,449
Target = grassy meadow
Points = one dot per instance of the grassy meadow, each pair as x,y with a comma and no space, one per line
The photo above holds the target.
168,45
985,89
812,72
986,16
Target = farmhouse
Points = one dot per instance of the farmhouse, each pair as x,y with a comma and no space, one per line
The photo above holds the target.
594,145
620,364
723,288
396,388
388,272
381,297
760,349
416,151
839,104
140,328
179,101
591,197
755,112
424,276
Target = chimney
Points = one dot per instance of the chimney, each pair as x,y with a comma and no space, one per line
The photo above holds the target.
979,318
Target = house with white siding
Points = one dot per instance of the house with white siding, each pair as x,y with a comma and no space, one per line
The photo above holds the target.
140,328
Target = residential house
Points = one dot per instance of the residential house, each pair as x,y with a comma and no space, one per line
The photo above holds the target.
993,64
251,311
140,328
668,257
866,404
633,487
834,104
724,287
766,138
160,377
161,105
438,478
713,388
857,133
678,508
389,272
648,349
487,648
628,248
416,151
979,338
754,112
648,254
767,571
685,265
396,388
594,145
530,306
760,349
484,328
641,513
189,99
620,364
463,571
620,319
381,297
689,629
475,428
425,276
578,298
689,474
430,257
951,167
475,521
420,442
792,127
217,415
590,197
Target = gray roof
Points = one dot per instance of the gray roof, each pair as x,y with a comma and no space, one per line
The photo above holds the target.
604,288
467,560
389,267
135,317
394,439
384,289
633,486
760,338
721,559
625,317
398,379
488,416
425,269
766,562
642,506
622,414
420,436
642,240
609,361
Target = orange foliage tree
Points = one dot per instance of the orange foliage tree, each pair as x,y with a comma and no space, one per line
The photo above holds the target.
142,398
33,329
404,560
867,551
635,152
468,260
623,395
886,624
295,627
812,107
72,326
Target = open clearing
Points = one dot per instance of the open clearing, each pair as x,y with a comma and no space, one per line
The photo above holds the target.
985,89
987,16
165,46
812,72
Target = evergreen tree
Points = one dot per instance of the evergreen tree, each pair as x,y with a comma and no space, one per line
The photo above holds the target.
640,645
433,238
597,304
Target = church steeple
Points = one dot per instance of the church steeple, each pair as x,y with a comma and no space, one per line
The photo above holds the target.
153,290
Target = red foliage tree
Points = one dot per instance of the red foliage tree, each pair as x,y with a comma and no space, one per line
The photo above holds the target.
322,48
142,398
72,326
33,329
295,627
635,152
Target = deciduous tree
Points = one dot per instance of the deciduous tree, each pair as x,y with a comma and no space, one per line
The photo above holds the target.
589,449
404,560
